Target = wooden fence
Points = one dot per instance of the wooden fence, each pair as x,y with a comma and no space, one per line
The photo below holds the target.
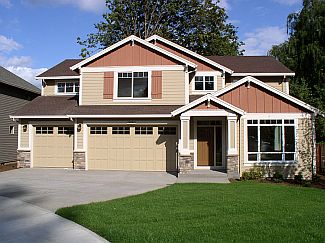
320,158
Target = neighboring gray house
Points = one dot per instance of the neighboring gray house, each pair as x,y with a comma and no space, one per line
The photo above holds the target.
15,92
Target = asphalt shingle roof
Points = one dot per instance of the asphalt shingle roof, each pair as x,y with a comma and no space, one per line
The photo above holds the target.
62,69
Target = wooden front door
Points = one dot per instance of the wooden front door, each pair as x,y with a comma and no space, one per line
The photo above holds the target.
205,146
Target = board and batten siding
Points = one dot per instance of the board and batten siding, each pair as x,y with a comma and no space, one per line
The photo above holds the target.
173,90
11,99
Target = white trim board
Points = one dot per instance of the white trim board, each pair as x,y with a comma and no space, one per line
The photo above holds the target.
198,56
121,116
269,88
207,97
126,40
58,77
262,74
131,68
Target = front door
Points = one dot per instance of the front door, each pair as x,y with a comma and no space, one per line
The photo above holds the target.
210,144
205,146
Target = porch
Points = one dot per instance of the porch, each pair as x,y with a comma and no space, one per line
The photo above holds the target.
209,142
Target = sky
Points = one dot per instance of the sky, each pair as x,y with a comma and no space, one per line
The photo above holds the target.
37,34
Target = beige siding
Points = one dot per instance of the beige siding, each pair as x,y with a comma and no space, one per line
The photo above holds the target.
79,135
173,90
49,89
273,81
24,136
219,82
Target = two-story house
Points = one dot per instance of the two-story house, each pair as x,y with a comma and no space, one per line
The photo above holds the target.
152,105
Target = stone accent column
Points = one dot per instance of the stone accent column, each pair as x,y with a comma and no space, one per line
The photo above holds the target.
79,160
186,163
23,159
232,166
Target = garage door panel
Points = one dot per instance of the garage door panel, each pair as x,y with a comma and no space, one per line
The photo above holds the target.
52,150
142,152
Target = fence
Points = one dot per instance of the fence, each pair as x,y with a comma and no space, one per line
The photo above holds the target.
320,158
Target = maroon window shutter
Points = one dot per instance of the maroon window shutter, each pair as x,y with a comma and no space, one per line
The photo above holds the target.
156,85
108,85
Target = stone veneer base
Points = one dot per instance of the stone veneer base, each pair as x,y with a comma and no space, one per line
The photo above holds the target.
79,160
23,159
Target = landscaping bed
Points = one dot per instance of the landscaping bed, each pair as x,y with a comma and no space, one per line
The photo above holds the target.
235,212
8,166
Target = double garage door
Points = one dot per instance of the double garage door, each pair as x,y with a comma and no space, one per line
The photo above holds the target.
53,146
139,148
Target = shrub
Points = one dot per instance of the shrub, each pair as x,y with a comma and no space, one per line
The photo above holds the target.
316,178
254,173
299,178
277,177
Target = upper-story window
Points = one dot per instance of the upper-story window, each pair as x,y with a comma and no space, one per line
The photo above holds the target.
204,82
133,85
68,87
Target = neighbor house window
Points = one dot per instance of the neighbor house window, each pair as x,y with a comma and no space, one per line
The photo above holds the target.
44,130
271,140
204,82
98,130
68,87
133,85
11,130
143,130
66,130
120,130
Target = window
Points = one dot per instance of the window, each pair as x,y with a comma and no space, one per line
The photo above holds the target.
271,140
167,130
66,130
44,130
98,130
143,130
121,130
11,130
133,85
68,87
204,82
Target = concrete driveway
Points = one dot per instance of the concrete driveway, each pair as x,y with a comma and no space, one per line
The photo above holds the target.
55,188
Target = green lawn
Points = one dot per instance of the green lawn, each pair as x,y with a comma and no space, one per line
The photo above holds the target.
236,212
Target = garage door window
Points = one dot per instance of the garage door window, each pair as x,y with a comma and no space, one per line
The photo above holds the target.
98,130
143,130
120,130
44,130
65,130
167,130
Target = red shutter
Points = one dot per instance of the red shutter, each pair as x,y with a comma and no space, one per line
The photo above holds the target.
108,85
156,85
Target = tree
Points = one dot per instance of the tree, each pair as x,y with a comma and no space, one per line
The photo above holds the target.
304,53
199,25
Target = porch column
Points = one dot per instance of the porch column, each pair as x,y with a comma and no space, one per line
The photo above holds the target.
185,162
232,150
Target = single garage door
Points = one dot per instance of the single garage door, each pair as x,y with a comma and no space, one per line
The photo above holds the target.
53,146
139,148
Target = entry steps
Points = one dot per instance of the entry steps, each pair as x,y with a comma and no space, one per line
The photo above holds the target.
203,176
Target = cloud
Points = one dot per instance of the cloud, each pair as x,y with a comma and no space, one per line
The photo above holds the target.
28,74
261,40
86,5
224,4
7,44
19,65
5,3
288,2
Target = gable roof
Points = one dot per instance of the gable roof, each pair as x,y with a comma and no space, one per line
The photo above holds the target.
126,40
12,79
253,65
269,88
204,98
61,69
192,53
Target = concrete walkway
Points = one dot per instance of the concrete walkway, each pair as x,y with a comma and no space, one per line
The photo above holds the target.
203,176
24,222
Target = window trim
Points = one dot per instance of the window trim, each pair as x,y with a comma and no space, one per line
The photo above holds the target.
115,93
280,162
12,130
204,74
65,93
